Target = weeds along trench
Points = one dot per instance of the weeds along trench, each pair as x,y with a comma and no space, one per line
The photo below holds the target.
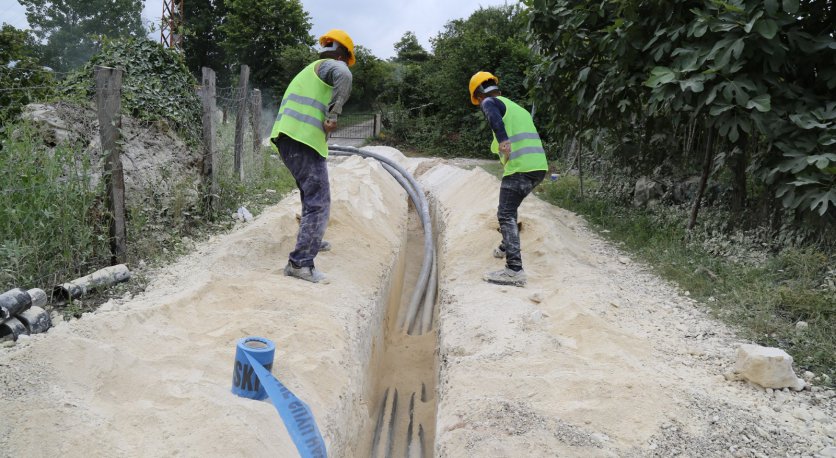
403,368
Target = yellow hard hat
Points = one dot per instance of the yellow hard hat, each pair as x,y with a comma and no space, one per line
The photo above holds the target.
476,81
342,38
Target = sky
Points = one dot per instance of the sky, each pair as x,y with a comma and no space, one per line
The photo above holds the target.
375,24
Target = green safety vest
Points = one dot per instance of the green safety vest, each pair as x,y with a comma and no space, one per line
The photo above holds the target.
527,153
303,108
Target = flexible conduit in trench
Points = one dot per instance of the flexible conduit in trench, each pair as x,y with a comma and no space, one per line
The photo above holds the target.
425,288
404,371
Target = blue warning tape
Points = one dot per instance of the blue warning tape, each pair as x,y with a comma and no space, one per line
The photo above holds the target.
297,416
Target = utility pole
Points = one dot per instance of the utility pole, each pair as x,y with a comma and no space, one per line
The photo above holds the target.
171,35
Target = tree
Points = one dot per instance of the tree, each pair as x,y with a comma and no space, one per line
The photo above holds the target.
757,75
293,59
69,30
203,38
408,49
21,77
156,84
256,33
370,79
491,39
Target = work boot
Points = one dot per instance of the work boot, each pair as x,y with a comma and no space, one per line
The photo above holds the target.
506,276
325,246
305,273
498,253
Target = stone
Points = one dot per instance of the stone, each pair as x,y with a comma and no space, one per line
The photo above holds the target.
600,437
767,367
534,316
802,414
536,298
624,259
821,417
801,326
808,376
646,191
828,452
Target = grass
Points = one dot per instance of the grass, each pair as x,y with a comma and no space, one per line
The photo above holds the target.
54,222
764,300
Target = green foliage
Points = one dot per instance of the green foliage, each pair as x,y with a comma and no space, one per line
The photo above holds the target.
270,173
71,30
765,297
256,33
203,38
408,49
23,80
370,77
758,74
156,85
52,226
491,39
294,59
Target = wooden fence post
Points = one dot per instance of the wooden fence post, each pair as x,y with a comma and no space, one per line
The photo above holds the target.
239,120
255,120
580,167
109,103
210,159
377,123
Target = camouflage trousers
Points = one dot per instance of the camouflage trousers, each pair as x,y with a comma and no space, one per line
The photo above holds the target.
513,190
310,171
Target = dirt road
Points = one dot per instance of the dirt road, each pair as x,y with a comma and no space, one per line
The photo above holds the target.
595,357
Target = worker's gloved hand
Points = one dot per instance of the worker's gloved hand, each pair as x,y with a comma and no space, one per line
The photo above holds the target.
329,125
505,149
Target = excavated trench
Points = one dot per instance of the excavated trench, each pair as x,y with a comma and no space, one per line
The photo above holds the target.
404,368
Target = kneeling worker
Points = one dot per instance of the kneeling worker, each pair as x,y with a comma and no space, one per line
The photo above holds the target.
308,112
516,141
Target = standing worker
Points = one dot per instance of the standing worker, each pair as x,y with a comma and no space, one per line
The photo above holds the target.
516,141
308,112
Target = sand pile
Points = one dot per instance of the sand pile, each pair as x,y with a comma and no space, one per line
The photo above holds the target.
595,357
152,377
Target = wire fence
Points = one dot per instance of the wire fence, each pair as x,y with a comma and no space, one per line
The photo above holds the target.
56,218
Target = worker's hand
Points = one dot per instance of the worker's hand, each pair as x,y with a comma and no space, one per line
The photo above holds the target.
329,126
505,149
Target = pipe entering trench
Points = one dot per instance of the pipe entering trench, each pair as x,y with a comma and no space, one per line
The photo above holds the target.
403,400
404,368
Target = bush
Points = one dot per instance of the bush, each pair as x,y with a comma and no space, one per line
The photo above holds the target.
156,85
53,225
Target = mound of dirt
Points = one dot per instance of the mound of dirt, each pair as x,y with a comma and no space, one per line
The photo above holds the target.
595,357
158,165
152,376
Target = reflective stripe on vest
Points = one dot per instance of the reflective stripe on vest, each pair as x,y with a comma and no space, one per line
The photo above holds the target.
302,111
527,153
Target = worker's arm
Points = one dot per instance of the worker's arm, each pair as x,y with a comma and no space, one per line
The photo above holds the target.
494,110
336,74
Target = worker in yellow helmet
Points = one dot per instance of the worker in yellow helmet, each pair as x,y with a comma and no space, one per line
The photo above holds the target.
308,112
520,151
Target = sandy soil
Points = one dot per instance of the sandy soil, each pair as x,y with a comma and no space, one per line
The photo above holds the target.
152,377
595,357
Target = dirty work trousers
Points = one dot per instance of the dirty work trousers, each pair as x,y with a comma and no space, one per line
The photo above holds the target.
513,190
310,171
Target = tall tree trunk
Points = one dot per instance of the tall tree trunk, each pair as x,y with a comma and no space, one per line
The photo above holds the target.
738,165
645,143
706,170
